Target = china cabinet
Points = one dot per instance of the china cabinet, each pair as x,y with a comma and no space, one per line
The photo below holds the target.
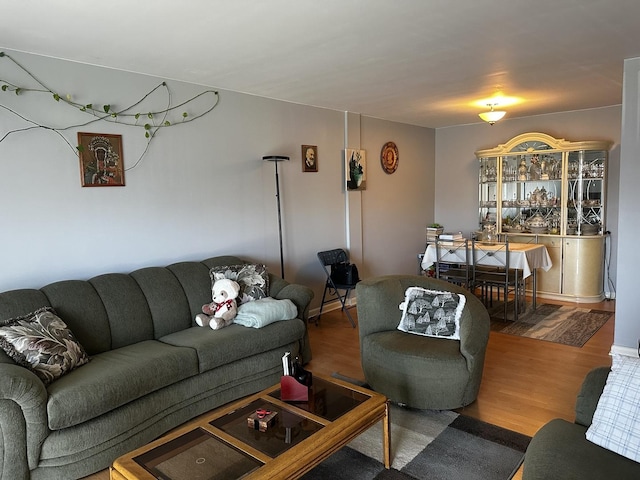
536,188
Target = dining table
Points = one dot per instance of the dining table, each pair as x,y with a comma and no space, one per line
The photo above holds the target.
527,257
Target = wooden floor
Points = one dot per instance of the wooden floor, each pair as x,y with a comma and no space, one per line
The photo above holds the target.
525,383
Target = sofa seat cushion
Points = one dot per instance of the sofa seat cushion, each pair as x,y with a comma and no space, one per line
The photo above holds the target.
116,377
560,451
229,344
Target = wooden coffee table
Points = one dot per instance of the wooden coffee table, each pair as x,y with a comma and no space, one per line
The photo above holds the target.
221,445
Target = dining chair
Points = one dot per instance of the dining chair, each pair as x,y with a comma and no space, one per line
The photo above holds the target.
453,262
491,270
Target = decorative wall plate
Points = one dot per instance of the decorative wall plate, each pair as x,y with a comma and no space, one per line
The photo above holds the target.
389,157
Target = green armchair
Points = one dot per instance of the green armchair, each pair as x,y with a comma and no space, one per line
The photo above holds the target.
418,371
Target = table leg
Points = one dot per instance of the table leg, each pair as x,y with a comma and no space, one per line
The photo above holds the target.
533,301
386,437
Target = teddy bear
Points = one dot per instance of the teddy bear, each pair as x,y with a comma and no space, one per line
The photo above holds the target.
221,312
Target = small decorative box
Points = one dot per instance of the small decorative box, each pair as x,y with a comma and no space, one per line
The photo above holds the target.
261,420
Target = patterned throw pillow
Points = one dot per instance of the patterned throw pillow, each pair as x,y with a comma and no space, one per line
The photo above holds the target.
616,421
431,313
42,342
253,280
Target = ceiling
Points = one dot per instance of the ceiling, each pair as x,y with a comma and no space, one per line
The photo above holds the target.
422,62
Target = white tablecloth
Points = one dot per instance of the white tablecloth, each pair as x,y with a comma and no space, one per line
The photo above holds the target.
522,256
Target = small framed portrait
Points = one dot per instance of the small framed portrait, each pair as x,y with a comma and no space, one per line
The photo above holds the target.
309,158
101,162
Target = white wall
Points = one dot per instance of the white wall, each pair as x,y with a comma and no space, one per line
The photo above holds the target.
627,333
202,189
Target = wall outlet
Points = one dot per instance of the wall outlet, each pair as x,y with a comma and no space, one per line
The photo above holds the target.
610,295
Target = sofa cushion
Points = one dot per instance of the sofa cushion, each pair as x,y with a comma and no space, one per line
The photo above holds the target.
252,278
42,342
83,311
127,309
115,378
432,313
166,298
219,347
616,421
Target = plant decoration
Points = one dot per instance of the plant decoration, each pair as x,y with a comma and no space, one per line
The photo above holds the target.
355,169
150,121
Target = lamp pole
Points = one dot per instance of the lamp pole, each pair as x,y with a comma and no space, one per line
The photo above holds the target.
276,159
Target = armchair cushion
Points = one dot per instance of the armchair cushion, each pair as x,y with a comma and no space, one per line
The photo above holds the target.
432,313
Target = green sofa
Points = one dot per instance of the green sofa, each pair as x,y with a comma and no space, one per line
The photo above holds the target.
560,450
151,368
418,371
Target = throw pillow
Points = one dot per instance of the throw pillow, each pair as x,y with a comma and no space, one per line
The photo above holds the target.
616,421
42,342
431,313
252,278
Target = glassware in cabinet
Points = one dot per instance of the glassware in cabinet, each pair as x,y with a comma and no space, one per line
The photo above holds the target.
586,173
488,191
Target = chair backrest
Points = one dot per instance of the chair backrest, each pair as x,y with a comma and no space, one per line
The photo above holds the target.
329,257
453,261
493,254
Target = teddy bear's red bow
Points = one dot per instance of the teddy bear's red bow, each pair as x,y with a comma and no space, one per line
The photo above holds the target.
226,303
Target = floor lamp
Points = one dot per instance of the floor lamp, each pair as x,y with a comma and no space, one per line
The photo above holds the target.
276,159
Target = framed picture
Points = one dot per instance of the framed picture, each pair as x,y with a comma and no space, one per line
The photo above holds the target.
355,169
101,162
309,158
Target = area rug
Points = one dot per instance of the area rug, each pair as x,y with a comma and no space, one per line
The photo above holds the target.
428,444
563,324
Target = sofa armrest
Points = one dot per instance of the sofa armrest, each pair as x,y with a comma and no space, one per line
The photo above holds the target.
23,420
590,392
301,296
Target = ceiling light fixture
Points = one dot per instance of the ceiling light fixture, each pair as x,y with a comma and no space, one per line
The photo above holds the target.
492,116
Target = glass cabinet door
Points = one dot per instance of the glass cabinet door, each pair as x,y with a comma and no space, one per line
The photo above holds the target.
531,191
585,187
488,194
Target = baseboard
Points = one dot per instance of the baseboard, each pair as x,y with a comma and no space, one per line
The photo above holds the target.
628,351
335,305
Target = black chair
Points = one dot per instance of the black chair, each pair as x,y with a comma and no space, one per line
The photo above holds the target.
491,270
453,262
331,287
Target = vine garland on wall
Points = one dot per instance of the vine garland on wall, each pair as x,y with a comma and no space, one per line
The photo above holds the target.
150,121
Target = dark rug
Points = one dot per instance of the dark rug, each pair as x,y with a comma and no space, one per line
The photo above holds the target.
428,444
564,324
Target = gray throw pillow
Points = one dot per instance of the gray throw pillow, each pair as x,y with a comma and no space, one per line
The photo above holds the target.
252,278
42,342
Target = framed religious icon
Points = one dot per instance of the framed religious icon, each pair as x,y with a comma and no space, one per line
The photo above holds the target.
389,157
309,158
101,162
